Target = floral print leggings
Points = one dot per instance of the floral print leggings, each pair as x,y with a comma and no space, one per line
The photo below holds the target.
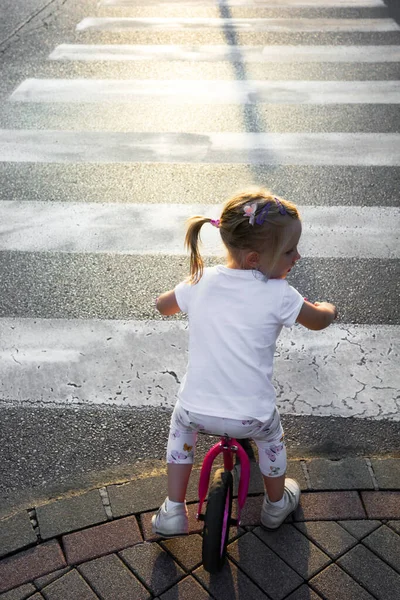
269,438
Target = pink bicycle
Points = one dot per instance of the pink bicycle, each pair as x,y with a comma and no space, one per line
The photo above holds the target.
217,517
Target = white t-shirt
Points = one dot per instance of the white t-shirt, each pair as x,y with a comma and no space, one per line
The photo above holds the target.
235,319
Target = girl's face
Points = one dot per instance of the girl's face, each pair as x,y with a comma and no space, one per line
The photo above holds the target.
289,255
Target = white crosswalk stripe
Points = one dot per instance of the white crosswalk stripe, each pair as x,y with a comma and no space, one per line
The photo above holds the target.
129,363
208,92
348,370
214,53
243,3
237,25
361,149
328,231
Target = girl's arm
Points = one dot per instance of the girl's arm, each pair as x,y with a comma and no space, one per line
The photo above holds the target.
166,304
317,316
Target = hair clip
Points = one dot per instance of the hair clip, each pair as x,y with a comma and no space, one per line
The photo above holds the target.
279,204
249,210
262,217
215,223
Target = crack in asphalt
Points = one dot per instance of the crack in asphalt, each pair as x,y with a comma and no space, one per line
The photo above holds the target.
13,34
14,359
174,375
377,387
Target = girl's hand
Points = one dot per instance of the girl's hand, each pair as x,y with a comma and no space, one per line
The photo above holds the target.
328,307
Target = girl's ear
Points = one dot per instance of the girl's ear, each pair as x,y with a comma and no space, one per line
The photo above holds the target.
252,260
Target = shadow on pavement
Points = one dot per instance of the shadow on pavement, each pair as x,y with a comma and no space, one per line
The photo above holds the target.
252,119
394,9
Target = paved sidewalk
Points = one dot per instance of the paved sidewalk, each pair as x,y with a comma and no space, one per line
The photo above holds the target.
342,543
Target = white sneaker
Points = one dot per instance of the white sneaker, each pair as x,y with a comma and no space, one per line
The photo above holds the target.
271,516
169,523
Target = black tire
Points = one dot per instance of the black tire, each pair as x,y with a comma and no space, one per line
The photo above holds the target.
219,496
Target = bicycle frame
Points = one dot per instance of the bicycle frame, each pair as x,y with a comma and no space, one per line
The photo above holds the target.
228,446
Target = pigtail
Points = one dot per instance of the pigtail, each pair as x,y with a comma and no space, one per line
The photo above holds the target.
192,240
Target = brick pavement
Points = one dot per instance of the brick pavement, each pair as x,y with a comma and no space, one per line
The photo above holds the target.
343,542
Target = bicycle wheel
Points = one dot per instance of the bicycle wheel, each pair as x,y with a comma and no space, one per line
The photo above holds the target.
217,521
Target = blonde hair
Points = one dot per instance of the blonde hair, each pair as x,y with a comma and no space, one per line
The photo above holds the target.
238,234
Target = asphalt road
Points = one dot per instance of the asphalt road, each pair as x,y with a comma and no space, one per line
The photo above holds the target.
48,451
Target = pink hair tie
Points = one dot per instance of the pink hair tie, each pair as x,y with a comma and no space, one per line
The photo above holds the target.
215,223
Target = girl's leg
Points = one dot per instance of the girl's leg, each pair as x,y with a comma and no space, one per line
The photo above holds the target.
180,454
178,479
274,487
272,457
282,495
172,516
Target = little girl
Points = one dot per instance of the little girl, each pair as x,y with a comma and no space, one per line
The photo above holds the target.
236,313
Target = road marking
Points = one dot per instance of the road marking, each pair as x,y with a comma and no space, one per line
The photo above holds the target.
346,149
179,91
244,3
215,53
345,370
331,231
238,25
